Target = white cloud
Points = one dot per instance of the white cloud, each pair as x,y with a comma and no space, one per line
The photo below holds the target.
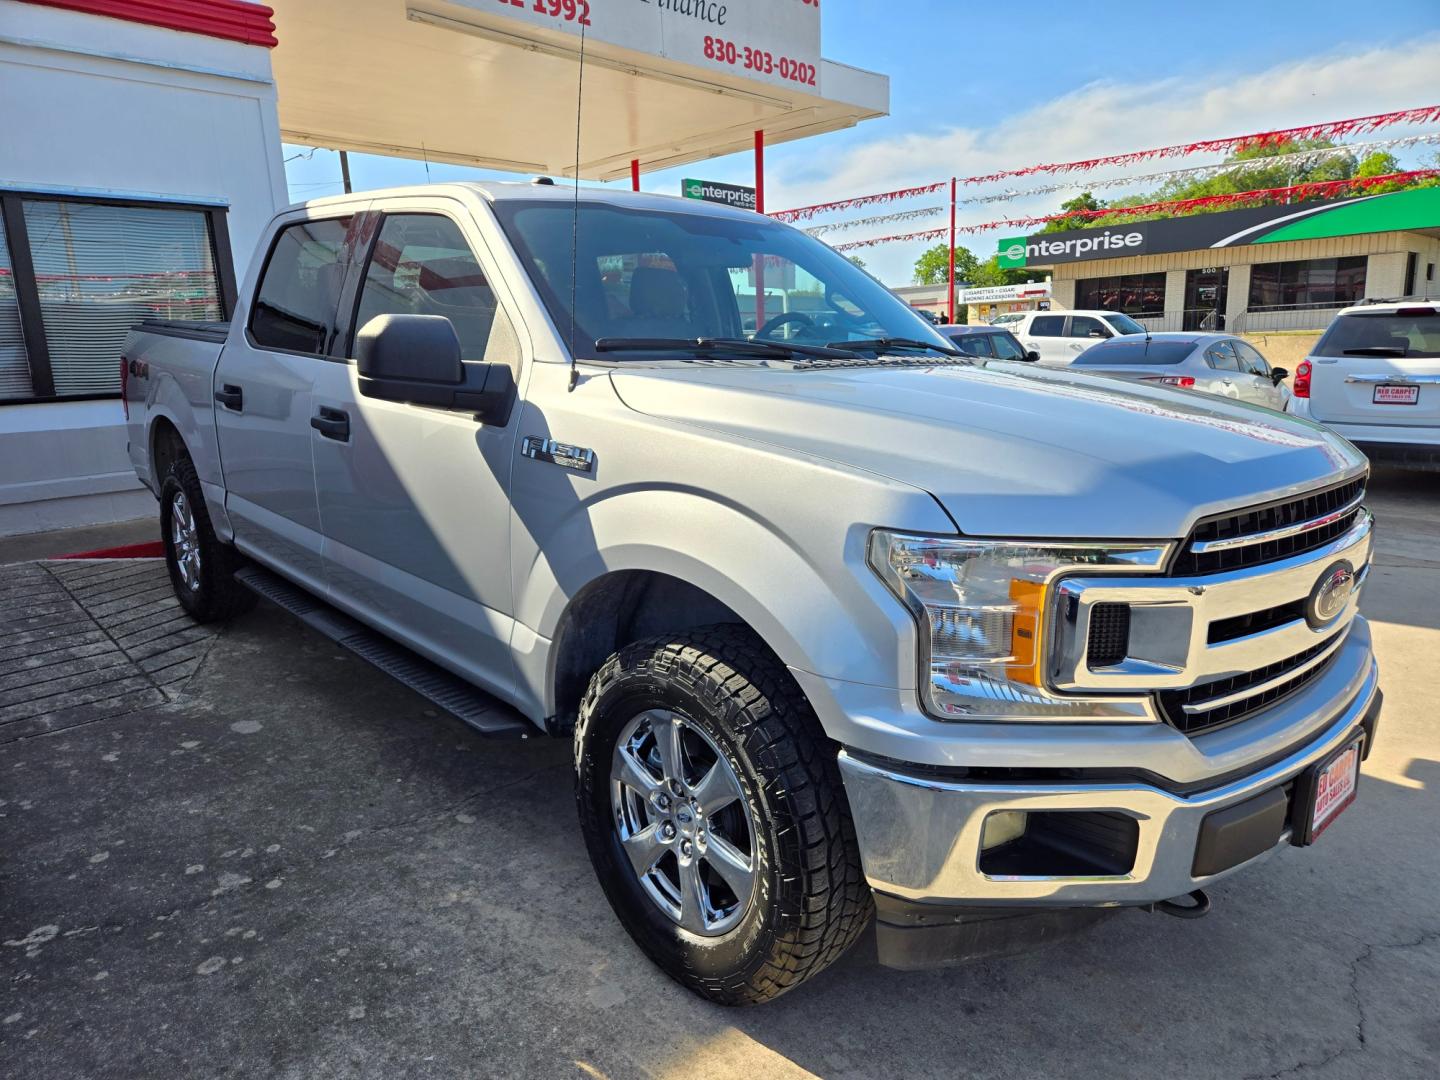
1109,118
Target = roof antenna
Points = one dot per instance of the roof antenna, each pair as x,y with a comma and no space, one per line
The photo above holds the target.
575,209
425,158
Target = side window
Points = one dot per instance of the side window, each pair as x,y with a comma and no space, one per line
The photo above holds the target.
1221,357
1006,347
294,307
1251,360
421,264
973,344
1086,327
1048,326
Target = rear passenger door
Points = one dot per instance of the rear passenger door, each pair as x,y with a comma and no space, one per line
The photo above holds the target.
1082,331
414,500
1224,370
1046,336
264,383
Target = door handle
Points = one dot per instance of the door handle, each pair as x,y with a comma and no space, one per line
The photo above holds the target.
231,396
332,423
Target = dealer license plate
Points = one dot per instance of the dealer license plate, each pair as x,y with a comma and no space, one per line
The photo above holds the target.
1396,395
1335,785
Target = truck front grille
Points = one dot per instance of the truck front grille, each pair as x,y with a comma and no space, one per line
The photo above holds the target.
1211,705
1272,531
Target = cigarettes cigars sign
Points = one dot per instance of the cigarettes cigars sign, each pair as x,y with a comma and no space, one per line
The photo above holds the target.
725,194
1415,209
773,41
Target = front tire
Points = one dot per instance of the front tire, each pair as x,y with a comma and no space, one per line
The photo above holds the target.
202,566
712,807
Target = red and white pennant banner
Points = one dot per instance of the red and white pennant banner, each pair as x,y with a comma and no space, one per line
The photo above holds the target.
1331,129
1319,190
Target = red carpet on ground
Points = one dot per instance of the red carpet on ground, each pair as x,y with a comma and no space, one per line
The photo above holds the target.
152,549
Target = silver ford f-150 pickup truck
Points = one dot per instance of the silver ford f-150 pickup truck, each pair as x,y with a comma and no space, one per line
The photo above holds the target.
843,623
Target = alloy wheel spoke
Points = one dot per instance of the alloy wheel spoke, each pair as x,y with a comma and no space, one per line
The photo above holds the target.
667,730
730,863
717,789
645,848
629,771
693,908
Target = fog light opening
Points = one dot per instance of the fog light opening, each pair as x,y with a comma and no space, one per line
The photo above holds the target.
1059,844
1001,827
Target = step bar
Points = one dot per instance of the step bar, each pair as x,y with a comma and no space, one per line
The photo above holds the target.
483,712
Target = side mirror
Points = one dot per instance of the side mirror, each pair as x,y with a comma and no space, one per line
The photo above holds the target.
1279,375
1032,356
415,360
1098,333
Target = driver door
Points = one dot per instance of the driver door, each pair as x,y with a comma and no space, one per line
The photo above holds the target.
414,501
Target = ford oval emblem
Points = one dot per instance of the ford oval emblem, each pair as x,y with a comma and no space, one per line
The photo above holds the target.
1330,595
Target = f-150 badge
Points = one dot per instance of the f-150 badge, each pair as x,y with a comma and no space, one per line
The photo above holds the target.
579,458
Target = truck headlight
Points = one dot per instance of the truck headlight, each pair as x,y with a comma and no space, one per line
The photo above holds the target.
983,610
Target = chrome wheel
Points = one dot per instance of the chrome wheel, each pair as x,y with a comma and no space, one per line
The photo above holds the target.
185,541
683,821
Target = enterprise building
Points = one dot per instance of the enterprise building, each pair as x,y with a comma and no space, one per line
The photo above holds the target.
1288,267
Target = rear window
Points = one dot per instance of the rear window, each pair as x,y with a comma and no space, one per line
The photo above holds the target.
1129,351
1383,333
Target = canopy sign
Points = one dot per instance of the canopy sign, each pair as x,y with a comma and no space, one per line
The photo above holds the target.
773,41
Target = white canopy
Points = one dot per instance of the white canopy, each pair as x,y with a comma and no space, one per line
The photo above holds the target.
493,83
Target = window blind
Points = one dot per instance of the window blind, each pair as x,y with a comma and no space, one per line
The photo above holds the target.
102,268
14,364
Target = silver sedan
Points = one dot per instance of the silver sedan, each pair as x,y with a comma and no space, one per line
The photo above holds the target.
1219,364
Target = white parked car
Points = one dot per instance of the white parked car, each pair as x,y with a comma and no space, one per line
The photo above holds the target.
1010,320
1059,336
1374,377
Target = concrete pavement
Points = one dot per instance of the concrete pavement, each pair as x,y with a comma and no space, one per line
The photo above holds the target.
286,865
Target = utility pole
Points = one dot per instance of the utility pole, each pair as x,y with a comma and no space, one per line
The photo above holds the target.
345,170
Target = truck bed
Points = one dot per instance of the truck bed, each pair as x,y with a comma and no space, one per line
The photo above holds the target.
199,331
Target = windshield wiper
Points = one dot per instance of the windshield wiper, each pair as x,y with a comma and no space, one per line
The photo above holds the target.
885,343
1378,350
783,349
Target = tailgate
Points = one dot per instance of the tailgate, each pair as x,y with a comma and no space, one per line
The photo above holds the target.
1379,368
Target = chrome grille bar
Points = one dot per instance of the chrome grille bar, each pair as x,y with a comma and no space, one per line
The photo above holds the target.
1201,547
1210,704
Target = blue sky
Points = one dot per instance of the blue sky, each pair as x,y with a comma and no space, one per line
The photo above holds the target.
976,87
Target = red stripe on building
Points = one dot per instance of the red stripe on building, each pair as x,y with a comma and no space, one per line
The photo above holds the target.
233,20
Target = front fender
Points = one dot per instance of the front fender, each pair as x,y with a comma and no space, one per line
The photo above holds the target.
806,590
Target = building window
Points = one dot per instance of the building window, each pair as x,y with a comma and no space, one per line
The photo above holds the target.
1312,283
1134,294
77,274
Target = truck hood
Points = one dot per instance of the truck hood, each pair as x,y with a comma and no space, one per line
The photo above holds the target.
1008,449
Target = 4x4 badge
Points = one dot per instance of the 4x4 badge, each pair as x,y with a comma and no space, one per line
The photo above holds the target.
579,458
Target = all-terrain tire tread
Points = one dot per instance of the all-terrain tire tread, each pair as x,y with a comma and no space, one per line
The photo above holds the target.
825,902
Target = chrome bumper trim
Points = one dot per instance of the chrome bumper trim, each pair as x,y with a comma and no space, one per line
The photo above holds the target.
920,838
1201,547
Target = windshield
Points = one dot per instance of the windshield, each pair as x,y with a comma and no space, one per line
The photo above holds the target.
1123,324
1406,332
661,275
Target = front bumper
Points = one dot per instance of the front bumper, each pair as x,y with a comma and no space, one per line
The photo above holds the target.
920,831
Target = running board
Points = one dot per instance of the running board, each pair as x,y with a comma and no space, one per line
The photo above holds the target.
483,712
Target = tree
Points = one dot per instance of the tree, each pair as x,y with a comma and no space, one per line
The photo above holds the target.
990,272
1083,201
857,261
933,266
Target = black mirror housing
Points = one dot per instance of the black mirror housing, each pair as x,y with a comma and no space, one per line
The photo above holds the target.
416,348
1279,374
415,360
1032,355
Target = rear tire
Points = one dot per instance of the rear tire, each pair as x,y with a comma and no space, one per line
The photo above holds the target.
202,566
740,716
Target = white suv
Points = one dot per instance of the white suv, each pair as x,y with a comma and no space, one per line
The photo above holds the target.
1374,377
1060,336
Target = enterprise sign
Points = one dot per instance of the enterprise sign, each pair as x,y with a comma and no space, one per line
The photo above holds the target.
1417,208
